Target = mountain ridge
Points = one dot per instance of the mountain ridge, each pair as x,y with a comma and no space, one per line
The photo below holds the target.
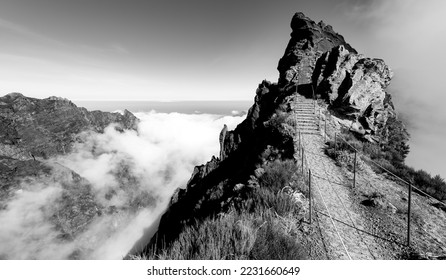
350,90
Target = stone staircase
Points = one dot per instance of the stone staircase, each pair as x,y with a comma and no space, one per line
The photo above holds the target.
306,117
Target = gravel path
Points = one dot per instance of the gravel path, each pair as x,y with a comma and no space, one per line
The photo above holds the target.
344,229
341,224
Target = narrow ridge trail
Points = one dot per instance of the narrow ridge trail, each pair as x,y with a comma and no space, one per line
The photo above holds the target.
339,218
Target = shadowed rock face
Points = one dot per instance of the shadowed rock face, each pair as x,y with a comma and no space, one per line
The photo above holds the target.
40,128
322,63
214,186
355,86
309,40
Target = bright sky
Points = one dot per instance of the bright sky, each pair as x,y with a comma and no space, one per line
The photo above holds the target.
215,50
158,50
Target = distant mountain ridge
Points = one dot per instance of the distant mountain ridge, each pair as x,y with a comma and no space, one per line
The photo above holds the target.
32,133
41,128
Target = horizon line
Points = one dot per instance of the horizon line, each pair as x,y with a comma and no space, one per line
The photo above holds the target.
162,101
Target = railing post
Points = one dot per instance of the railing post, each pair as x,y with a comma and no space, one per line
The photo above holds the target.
302,162
300,140
320,118
309,191
354,172
408,214
335,144
325,129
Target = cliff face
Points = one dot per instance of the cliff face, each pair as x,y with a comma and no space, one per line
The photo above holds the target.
308,42
317,63
321,63
354,86
215,186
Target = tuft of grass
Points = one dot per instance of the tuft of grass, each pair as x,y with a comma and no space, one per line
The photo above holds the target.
274,244
278,174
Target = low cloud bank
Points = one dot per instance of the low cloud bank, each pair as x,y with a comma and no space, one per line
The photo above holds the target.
129,176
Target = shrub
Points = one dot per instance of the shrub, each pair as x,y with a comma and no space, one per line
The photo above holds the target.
372,150
381,162
435,186
229,236
277,174
273,244
261,200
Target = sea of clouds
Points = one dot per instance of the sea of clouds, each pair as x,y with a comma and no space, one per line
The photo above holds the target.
158,158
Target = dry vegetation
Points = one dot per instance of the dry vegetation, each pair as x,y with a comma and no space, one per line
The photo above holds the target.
264,224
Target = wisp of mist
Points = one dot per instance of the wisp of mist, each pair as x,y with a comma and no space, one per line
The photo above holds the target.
135,171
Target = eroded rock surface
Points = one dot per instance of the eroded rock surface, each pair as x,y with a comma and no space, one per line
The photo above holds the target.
40,128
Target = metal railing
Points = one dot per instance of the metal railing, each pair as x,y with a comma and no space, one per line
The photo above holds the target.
337,138
323,128
307,175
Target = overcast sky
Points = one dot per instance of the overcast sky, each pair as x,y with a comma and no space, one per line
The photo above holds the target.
217,50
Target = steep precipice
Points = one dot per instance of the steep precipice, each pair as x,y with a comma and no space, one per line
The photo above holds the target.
309,40
322,63
317,63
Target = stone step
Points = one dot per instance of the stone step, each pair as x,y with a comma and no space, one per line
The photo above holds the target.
310,132
304,102
307,117
306,114
312,128
307,110
307,125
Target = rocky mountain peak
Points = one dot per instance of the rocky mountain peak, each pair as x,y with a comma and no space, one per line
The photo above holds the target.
34,128
13,95
309,40
320,63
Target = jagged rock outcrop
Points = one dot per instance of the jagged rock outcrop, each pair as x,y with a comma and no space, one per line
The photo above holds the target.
323,64
309,40
354,86
40,128
317,62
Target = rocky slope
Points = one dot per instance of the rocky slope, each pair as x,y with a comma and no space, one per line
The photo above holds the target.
317,62
32,133
320,62
40,128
